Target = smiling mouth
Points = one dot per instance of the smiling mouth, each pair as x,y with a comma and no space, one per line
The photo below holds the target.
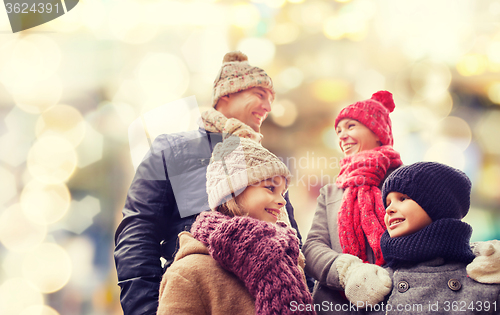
348,146
395,222
274,212
259,116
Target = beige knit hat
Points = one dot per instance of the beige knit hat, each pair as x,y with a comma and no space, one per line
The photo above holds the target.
237,163
236,75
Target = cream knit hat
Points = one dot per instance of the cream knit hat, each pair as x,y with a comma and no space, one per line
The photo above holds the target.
236,75
237,163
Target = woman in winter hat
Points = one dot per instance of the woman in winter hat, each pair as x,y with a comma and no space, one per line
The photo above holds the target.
426,244
239,258
349,217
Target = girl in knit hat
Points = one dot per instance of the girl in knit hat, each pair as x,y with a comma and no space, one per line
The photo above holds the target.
427,245
349,219
239,258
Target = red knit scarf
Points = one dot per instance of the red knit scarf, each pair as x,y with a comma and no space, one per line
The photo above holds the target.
362,211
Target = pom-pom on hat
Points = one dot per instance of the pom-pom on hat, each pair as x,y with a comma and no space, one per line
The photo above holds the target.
236,75
441,190
237,163
374,114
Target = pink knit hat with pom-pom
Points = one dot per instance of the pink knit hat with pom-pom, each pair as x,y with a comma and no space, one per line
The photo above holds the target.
374,114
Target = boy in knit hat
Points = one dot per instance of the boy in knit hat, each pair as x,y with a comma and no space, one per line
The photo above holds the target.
426,244
237,258
168,191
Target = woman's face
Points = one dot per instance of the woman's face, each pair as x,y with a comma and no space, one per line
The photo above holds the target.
355,137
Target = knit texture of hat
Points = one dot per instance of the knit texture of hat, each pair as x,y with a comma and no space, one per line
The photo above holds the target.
374,114
442,191
236,75
237,163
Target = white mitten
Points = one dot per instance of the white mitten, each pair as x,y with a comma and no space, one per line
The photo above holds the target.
485,268
363,283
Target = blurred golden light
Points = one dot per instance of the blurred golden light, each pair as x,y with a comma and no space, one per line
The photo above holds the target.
330,139
313,13
472,64
92,14
494,51
284,113
63,121
67,23
487,132
52,160
329,90
447,153
430,79
19,138
439,105
17,233
368,82
7,185
333,28
129,22
80,215
494,92
260,51
454,130
275,3
163,77
91,148
16,295
39,310
342,1
203,51
284,33
244,15
38,97
27,60
296,1
48,267
488,184
288,79
45,204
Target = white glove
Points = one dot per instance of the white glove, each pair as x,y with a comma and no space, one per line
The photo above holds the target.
363,283
485,268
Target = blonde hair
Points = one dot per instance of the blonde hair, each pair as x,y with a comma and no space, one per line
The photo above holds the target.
230,208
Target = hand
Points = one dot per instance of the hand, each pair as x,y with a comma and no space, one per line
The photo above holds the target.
485,268
363,283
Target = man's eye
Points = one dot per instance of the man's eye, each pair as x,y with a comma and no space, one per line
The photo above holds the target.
271,188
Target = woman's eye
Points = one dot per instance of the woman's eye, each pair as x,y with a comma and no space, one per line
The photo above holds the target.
351,125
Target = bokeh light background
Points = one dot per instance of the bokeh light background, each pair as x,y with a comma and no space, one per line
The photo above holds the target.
70,89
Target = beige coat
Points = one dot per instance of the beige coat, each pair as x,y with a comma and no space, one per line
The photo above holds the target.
197,284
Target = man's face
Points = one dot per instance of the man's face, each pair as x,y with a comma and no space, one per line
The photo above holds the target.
250,106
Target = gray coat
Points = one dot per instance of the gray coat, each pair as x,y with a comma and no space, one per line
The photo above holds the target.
322,247
436,287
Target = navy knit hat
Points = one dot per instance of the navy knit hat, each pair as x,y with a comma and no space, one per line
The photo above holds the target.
442,191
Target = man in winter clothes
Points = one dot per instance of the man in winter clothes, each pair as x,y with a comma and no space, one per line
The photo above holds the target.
168,190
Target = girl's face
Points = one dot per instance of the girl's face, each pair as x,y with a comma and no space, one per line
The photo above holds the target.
403,216
264,200
355,137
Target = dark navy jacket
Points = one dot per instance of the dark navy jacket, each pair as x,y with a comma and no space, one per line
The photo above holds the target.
166,194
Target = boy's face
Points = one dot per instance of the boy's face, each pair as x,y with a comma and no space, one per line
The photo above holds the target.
403,216
264,200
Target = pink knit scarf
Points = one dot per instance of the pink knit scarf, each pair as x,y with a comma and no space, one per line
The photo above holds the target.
362,211
262,255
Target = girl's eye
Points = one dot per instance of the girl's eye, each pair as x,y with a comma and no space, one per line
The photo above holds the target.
271,188
403,198
351,125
